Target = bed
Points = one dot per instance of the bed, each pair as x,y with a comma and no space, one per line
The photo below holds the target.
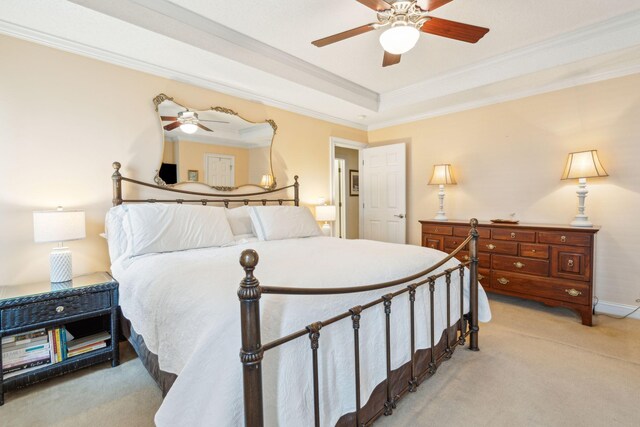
348,327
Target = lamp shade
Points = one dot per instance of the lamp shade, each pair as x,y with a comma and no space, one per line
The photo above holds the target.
442,174
266,181
326,213
58,226
583,164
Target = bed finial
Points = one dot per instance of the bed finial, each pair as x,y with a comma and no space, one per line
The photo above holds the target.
474,227
296,191
251,352
116,177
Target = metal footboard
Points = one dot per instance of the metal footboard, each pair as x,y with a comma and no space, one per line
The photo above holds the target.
252,351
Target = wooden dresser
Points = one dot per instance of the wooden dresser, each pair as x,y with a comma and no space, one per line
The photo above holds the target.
552,264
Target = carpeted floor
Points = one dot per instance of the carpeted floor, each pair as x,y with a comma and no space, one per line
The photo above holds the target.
537,367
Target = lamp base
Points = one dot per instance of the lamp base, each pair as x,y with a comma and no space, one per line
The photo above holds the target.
581,221
60,265
326,229
440,216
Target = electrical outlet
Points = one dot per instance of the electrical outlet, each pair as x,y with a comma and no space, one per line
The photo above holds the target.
638,300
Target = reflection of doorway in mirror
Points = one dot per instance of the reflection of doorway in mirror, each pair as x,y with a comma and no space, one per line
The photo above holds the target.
219,170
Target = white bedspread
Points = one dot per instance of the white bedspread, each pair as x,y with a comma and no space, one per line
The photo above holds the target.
184,304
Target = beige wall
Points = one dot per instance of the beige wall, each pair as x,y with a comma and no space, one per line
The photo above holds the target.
509,158
350,157
65,118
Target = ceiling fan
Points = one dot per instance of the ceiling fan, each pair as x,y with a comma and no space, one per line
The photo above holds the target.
403,21
187,121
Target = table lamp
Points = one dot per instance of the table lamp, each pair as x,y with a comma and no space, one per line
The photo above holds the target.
583,165
326,213
268,182
59,226
442,175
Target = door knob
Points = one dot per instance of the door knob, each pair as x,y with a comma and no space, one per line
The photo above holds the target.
399,216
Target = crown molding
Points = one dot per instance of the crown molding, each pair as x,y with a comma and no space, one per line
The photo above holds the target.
612,35
566,83
174,21
66,45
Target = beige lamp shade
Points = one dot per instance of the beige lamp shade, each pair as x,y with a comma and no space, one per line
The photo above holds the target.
266,181
583,164
326,213
58,226
442,175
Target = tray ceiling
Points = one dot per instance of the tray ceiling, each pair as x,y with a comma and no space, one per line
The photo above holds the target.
262,50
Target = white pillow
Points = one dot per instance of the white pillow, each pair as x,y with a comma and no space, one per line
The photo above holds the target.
239,220
167,228
116,234
283,222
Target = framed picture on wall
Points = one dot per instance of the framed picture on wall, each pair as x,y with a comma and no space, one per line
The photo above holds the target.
192,175
354,182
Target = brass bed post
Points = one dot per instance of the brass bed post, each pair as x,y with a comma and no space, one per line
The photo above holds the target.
296,191
116,177
252,352
473,286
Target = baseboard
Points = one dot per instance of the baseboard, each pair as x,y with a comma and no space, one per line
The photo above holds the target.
616,309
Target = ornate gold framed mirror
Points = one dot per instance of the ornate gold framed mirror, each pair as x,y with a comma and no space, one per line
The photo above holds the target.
214,146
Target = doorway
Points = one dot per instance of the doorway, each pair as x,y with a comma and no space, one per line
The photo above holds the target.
344,187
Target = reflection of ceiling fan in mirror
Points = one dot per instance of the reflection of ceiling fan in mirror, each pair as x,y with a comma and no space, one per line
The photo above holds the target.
187,121
403,21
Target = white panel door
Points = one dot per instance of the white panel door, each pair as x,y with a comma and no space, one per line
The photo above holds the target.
219,170
384,193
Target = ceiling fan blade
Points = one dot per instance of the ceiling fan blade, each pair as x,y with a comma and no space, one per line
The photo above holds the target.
201,126
168,118
378,5
434,4
454,30
171,126
390,59
343,35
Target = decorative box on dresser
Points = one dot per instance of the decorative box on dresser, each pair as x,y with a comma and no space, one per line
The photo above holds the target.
86,305
552,264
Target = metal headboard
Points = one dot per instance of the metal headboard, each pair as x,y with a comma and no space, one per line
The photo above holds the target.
226,199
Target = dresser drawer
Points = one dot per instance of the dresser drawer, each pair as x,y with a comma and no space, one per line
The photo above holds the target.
484,233
513,235
520,265
564,238
444,230
484,259
433,242
498,247
484,277
571,262
573,292
534,251
450,243
55,309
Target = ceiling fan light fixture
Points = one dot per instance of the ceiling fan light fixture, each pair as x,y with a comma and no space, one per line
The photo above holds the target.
399,39
189,127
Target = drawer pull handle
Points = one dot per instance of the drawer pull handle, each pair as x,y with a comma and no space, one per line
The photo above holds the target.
573,292
466,257
480,277
563,239
491,246
513,235
503,281
570,263
533,251
59,309
518,264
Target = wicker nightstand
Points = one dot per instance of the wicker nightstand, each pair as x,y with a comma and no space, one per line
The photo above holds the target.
83,306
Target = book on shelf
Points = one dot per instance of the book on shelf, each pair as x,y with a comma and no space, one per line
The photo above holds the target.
86,344
25,352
